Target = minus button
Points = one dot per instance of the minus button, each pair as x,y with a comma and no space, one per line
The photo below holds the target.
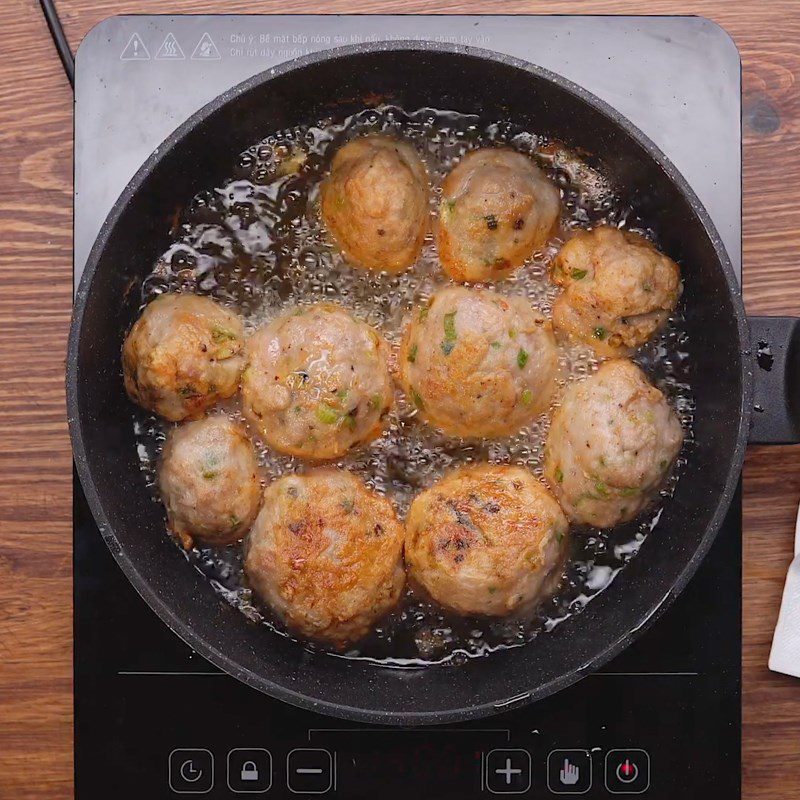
309,771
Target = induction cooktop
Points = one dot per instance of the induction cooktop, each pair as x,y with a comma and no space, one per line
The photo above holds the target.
155,720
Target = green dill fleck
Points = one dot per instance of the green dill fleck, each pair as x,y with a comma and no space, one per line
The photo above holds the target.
601,489
526,397
512,334
450,325
450,205
350,419
600,333
522,358
348,505
234,521
492,589
209,474
496,345
417,400
629,491
412,354
601,461
579,274
342,394
559,535
375,402
662,464
423,312
587,496
450,335
220,335
327,415
297,409
559,473
188,391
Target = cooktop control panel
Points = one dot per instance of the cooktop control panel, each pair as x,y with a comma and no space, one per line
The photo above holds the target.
368,766
502,770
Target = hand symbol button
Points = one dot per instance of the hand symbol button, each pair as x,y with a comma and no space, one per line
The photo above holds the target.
569,771
569,774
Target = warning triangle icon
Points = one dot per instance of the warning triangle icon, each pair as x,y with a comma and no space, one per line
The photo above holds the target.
135,50
170,50
206,50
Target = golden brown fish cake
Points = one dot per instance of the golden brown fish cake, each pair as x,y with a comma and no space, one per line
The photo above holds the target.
375,203
325,553
477,363
610,446
618,289
497,209
317,382
183,355
486,539
209,481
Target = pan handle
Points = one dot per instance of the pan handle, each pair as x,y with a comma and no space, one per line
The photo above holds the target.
776,399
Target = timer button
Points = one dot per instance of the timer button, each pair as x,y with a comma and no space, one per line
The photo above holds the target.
191,771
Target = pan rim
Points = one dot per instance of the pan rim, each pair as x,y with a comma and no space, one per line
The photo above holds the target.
184,630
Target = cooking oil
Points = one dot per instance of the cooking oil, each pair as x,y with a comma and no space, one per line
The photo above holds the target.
256,244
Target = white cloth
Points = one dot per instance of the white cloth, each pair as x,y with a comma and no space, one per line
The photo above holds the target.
785,655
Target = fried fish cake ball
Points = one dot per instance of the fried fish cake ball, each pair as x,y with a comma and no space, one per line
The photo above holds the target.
317,382
375,203
486,539
477,363
611,444
497,209
209,481
618,289
183,355
325,554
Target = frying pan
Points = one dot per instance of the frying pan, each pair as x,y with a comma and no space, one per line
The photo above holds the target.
414,74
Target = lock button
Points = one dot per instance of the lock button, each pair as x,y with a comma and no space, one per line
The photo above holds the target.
249,770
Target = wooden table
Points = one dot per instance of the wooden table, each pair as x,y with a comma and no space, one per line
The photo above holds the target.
35,275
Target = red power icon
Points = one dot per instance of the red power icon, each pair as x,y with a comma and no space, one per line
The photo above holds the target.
627,771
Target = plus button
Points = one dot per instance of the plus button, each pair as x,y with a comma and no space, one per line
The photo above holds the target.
508,772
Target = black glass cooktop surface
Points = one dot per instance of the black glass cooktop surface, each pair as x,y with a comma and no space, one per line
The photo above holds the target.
155,720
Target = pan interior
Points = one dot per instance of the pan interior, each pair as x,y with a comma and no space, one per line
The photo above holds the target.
257,242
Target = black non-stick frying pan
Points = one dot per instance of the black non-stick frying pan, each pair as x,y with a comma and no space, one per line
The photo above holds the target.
468,80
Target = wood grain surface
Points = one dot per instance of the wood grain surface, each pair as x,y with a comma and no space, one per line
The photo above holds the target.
35,275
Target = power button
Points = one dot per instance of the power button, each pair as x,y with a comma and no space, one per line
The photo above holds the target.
627,771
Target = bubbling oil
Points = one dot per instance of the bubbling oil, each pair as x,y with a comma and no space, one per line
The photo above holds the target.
256,244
